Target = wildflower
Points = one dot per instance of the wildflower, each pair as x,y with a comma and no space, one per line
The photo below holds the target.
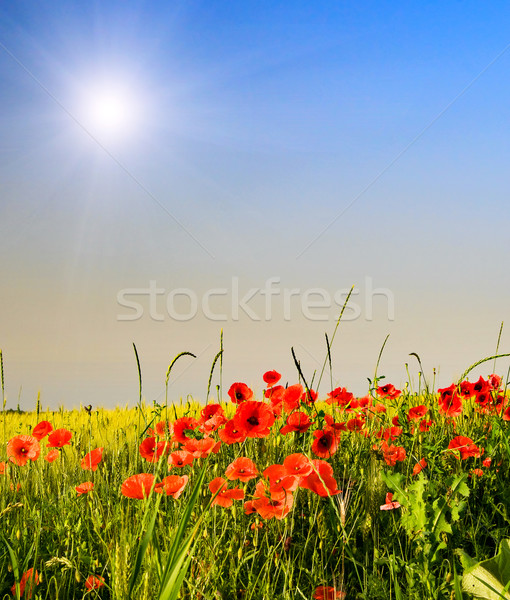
465,446
324,592
340,396
388,391
487,462
138,486
466,389
292,396
254,418
320,480
52,455
23,448
241,468
212,418
494,381
152,450
476,472
94,582
309,397
84,488
450,403
416,412
163,429
392,454
334,426
202,448
355,424
42,429
92,459
506,414
231,433
298,422
280,482
298,464
271,377
325,443
3,468
481,386
277,506
29,577
390,505
240,392
59,438
389,433
419,466
425,425
172,485
184,429
180,458
225,496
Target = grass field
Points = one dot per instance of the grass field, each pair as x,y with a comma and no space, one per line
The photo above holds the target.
301,510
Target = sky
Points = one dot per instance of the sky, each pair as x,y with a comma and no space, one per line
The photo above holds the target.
175,171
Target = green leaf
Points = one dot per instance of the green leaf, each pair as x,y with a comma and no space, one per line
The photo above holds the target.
488,579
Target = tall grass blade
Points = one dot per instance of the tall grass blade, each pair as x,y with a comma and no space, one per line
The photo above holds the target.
473,366
170,368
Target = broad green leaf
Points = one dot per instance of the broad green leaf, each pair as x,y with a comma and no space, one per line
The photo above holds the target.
488,579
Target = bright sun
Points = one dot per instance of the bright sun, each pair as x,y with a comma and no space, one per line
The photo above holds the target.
111,110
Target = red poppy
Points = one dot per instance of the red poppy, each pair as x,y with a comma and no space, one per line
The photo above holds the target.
271,507
212,418
152,450
425,425
94,582
23,448
225,496
52,455
231,433
481,386
388,391
476,472
380,408
334,426
390,505
392,454
92,459
298,422
241,468
163,429
298,464
340,396
249,508
389,433
321,480
138,486
3,468
324,592
180,458
29,577
494,381
254,418
271,377
450,403
240,392
202,448
419,466
184,429
42,429
506,414
466,389
280,482
325,443
417,412
309,396
486,462
172,485
292,396
464,446
84,488
355,424
59,438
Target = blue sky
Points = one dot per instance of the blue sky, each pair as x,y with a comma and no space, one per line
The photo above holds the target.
322,145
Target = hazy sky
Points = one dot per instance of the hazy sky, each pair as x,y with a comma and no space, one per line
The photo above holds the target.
171,169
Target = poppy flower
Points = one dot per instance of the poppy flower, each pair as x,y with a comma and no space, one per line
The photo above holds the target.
42,429
94,582
340,396
280,482
172,485
52,455
450,403
152,450
389,433
417,412
138,486
325,443
481,386
494,381
298,464
355,424
388,391
466,389
84,488
476,472
163,429
184,429
225,496
59,438
231,433
321,480
390,505
92,459
392,454
324,592
241,468
23,448
254,418
292,396
271,507
180,458
464,446
240,392
309,396
506,414
298,422
28,580
212,418
271,377
425,425
3,468
337,427
202,448
486,462
419,466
